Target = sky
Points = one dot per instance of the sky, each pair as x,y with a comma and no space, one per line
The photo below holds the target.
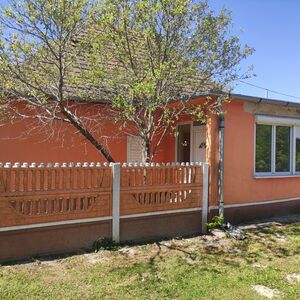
272,27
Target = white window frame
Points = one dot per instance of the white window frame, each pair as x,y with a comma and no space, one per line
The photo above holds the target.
278,121
294,152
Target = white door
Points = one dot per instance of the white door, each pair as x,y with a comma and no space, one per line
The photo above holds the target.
199,143
135,151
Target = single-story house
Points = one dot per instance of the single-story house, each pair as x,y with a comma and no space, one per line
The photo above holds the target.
257,141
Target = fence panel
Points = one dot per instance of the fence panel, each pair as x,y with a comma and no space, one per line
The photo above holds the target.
31,194
151,188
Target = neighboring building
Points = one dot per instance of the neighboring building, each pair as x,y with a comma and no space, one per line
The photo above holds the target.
261,153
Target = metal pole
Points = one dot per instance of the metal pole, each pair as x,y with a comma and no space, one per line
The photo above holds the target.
221,159
116,170
205,184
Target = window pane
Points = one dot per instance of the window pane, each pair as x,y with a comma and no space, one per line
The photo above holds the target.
298,154
263,148
282,149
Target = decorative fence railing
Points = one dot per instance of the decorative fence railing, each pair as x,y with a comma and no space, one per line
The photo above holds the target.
39,193
50,193
36,178
162,187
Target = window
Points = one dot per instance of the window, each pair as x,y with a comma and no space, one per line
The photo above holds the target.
277,149
263,148
282,154
297,154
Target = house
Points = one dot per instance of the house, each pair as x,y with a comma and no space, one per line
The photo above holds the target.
259,175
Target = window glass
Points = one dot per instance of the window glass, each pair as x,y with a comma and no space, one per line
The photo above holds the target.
297,155
282,149
263,148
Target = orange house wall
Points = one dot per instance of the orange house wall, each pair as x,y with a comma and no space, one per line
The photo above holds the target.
72,147
19,143
240,184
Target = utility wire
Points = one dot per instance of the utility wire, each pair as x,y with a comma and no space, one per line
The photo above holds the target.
271,91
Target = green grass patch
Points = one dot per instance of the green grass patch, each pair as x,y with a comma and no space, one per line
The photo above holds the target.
196,268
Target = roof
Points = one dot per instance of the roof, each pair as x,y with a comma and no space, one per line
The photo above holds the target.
254,99
99,93
266,100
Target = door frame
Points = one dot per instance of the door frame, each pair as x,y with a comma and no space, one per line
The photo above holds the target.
191,123
191,138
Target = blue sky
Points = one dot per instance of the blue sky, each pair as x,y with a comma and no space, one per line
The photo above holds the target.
272,27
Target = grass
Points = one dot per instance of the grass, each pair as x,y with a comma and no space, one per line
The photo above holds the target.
197,268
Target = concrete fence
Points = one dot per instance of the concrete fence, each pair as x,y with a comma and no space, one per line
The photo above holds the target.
56,208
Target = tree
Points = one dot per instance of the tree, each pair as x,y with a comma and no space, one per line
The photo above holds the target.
159,51
39,61
145,58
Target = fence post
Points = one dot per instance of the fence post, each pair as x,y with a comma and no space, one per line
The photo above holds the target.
116,170
205,168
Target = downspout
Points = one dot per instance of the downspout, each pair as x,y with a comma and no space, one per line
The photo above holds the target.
221,157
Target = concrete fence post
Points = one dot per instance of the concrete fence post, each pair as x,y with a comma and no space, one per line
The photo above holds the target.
205,186
116,171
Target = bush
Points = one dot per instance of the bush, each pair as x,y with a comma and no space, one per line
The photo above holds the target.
216,222
105,244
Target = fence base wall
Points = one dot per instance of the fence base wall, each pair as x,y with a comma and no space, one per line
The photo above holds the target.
149,228
258,211
20,244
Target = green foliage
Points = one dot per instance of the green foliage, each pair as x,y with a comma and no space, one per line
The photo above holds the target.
282,149
159,51
263,148
37,46
216,222
139,55
297,154
41,48
105,244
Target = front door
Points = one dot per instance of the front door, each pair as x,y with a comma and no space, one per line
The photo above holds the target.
199,143
191,143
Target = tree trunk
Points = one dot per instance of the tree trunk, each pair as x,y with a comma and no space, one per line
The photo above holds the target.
147,151
87,134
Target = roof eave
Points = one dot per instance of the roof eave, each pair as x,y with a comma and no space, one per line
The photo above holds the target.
234,96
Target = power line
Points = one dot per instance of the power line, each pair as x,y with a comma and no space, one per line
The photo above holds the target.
268,90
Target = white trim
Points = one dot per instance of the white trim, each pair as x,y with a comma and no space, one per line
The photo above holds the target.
274,176
162,212
256,203
275,120
51,224
91,220
292,150
273,150
192,141
273,173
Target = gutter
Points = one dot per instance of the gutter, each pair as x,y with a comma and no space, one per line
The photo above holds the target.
254,99
221,158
